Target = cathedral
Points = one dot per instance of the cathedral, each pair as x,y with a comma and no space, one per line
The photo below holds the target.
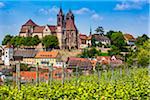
65,30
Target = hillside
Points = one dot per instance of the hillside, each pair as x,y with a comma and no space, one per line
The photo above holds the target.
65,53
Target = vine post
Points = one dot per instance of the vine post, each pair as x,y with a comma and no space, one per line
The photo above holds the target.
37,74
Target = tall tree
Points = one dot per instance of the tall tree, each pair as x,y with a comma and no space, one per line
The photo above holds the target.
141,39
100,30
7,39
50,41
118,39
35,40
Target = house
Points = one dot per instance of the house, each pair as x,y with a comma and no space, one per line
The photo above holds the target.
129,39
114,62
44,58
83,64
65,30
107,60
7,56
27,56
103,60
100,38
84,41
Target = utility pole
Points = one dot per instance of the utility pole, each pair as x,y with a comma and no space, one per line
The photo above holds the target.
37,74
18,75
63,74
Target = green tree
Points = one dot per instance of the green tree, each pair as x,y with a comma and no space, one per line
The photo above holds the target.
118,39
143,55
16,41
90,53
141,39
114,50
35,40
7,39
108,34
50,41
100,30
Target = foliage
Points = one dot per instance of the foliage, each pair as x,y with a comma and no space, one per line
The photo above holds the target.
141,39
93,42
7,39
100,30
114,50
18,41
50,41
118,39
108,34
141,56
126,87
90,53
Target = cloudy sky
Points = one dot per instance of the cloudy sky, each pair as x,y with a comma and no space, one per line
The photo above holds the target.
128,16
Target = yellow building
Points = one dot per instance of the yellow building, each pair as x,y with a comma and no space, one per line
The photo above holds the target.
43,58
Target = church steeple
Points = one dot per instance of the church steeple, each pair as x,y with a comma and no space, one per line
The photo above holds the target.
60,18
90,31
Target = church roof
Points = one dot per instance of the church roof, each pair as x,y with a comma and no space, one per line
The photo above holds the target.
38,29
30,23
52,28
70,25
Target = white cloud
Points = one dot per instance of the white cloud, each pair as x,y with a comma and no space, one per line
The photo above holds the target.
96,17
130,4
2,4
83,11
52,10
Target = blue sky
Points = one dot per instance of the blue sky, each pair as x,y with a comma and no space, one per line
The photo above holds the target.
128,16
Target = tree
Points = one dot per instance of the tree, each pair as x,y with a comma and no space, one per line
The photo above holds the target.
118,39
90,53
100,30
7,39
50,41
141,39
143,55
108,34
93,42
35,40
15,41
114,51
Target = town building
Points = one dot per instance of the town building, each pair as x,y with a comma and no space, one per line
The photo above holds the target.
7,56
26,55
100,38
65,30
84,41
129,39
82,64
47,58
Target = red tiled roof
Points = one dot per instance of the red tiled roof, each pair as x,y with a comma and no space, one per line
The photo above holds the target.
23,30
38,29
129,37
46,54
83,36
70,25
52,28
30,23
104,59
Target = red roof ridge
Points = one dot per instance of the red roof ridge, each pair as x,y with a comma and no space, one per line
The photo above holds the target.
30,23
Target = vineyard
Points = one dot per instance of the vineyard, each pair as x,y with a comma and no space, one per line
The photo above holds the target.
107,85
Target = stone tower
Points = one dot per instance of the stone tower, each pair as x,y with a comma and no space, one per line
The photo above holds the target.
60,18
70,38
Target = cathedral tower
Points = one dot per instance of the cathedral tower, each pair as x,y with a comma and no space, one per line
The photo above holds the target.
60,18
